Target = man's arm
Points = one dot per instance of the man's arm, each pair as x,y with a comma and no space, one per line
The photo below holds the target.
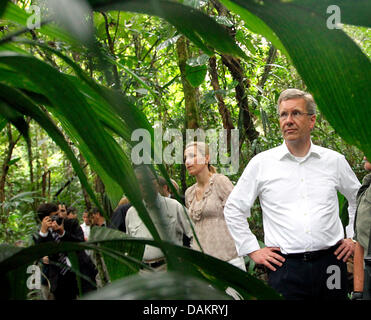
358,268
348,186
236,212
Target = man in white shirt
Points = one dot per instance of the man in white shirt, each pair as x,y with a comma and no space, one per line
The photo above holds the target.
297,186
86,225
167,214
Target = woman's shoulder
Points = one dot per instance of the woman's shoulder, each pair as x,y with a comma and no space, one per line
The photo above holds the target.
190,191
221,179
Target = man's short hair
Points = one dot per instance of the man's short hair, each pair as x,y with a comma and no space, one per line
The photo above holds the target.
95,210
294,94
71,210
145,170
46,209
162,181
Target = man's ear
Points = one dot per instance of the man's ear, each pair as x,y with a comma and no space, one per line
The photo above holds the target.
313,118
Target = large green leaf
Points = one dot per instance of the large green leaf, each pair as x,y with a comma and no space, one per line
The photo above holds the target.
15,118
20,102
15,14
202,30
351,12
82,120
195,74
3,5
257,25
3,123
158,286
116,269
332,66
192,263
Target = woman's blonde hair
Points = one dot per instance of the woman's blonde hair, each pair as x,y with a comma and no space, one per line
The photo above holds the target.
203,148
124,200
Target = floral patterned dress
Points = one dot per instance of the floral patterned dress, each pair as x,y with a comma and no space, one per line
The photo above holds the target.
208,218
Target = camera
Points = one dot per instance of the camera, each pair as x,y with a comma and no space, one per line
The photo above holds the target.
58,219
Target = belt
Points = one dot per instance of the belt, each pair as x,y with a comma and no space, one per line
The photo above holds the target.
155,264
311,255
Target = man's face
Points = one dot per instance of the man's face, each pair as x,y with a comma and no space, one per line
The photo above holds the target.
95,218
195,162
62,211
148,186
165,190
296,127
86,218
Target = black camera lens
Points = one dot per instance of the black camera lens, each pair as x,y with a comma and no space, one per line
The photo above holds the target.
57,219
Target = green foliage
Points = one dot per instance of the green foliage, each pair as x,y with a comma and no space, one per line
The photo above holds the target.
326,59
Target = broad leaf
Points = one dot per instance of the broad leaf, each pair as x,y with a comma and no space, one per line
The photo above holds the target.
159,286
332,66
24,105
15,14
195,75
134,250
202,30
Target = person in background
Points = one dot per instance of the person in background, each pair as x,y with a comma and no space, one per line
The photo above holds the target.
62,210
165,191
205,202
119,215
71,213
297,184
96,218
85,226
55,228
362,229
167,215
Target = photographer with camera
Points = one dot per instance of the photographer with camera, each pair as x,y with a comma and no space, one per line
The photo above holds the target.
55,228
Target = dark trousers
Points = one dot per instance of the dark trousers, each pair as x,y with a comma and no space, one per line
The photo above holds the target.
66,287
321,278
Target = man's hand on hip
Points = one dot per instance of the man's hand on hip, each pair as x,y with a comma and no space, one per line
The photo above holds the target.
266,255
345,250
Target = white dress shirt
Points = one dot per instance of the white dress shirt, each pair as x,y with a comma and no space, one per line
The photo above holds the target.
171,226
85,229
298,197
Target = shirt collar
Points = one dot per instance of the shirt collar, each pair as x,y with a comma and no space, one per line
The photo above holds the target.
283,151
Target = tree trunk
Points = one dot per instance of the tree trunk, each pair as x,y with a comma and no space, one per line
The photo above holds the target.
5,167
86,196
190,93
267,68
223,110
234,66
245,117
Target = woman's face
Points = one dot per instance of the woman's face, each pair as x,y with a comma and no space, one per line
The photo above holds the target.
194,161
